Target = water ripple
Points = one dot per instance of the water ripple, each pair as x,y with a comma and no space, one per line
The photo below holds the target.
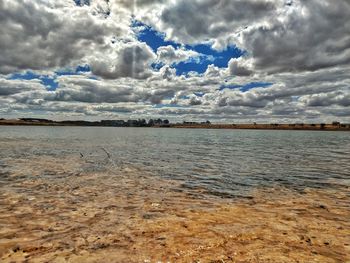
223,162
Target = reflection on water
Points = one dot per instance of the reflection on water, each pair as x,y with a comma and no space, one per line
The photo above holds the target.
165,195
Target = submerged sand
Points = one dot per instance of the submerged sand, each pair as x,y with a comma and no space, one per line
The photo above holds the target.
56,210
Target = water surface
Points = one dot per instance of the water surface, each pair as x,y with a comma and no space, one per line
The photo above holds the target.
222,162
79,194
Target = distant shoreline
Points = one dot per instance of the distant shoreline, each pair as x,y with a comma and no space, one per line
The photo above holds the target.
295,127
273,126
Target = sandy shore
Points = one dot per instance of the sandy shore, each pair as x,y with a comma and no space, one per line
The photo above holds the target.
53,210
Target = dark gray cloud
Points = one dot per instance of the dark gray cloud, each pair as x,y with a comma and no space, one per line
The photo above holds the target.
341,98
307,36
11,87
200,20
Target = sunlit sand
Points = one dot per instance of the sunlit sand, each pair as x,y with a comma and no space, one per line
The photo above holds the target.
124,214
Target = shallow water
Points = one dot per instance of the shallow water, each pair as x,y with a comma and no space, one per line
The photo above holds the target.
223,162
71,194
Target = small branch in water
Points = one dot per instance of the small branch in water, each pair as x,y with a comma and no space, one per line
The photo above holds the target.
108,154
81,155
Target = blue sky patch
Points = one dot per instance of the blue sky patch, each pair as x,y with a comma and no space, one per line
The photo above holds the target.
77,71
210,56
155,39
82,69
151,37
221,58
157,66
48,81
199,94
51,81
247,87
183,68
82,2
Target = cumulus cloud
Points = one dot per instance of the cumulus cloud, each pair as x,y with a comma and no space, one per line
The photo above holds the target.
169,55
341,98
11,87
37,35
278,35
301,47
131,60
304,36
240,67
199,20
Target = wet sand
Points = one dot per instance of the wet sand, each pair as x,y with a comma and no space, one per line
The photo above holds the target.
64,210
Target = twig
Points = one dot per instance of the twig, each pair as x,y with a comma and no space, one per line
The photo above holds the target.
108,154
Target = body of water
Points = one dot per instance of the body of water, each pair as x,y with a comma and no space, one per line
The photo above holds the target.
220,162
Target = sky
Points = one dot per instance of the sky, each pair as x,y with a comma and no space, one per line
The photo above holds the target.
228,61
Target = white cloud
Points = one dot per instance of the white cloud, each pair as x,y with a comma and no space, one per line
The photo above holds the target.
40,35
302,47
240,66
131,60
169,55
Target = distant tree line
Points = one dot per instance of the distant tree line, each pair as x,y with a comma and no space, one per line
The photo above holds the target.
105,123
135,123
335,125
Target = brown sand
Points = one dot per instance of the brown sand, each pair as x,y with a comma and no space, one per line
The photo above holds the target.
53,211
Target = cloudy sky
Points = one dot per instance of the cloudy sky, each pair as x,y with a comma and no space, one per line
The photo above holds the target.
222,60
